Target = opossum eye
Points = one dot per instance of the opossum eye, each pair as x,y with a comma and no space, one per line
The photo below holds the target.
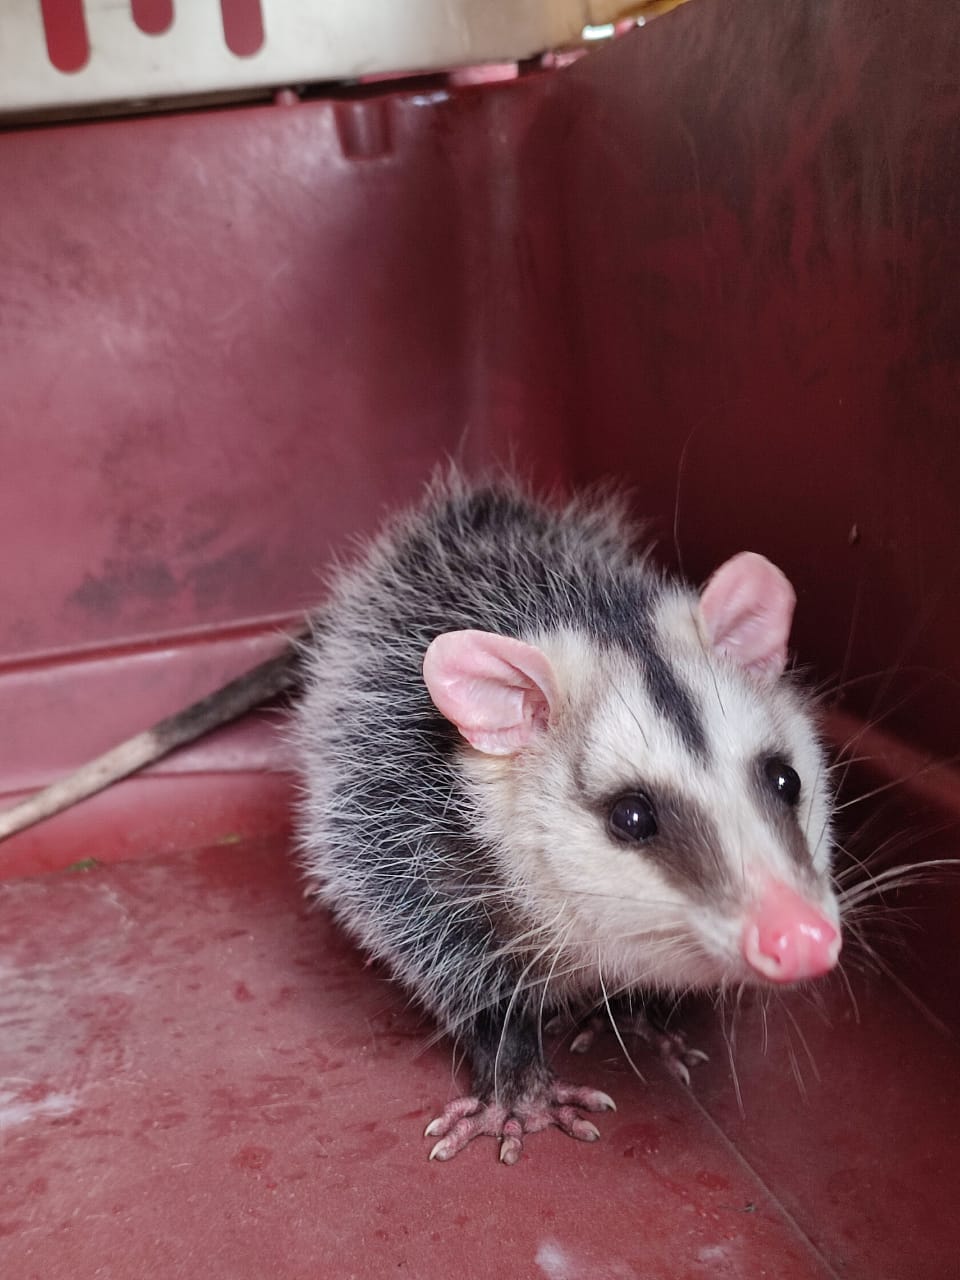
784,781
632,817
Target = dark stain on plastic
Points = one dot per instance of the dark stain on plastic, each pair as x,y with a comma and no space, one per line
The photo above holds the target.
120,581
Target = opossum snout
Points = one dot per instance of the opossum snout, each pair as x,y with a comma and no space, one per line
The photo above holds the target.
786,938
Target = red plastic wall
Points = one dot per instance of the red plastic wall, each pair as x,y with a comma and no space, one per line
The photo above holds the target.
765,205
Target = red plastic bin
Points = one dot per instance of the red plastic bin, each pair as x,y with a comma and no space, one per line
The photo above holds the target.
715,259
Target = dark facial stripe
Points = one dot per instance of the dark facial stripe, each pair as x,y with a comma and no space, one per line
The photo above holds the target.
686,848
623,618
674,702
782,818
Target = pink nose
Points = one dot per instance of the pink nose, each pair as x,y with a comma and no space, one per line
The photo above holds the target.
786,939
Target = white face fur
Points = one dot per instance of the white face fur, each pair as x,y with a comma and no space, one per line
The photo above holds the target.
669,911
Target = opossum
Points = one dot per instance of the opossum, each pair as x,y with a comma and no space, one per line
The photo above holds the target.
539,773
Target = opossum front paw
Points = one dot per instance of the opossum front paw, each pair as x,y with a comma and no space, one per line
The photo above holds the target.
555,1104
670,1046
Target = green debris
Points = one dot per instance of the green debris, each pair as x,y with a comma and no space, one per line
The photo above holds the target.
233,838
85,864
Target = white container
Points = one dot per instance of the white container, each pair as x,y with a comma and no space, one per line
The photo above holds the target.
304,41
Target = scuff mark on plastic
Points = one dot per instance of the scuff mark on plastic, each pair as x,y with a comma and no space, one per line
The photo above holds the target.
554,1262
558,1263
16,1110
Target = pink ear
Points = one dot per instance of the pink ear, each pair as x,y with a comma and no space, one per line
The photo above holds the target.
497,691
747,607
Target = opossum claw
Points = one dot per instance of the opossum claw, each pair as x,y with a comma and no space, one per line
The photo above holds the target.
453,1112
585,1035
671,1046
576,1095
582,1042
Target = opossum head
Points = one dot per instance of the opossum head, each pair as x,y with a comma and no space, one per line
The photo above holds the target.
660,812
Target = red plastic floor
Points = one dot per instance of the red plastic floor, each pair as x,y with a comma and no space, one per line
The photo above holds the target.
198,1077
